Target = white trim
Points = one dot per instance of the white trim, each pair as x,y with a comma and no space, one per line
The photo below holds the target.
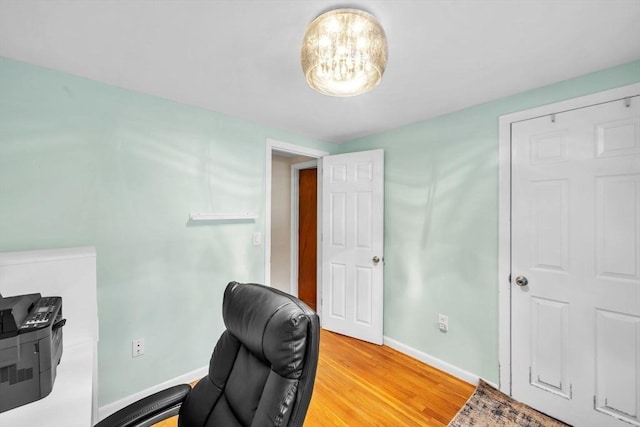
434,361
187,378
504,209
46,255
320,175
504,255
295,187
273,145
295,149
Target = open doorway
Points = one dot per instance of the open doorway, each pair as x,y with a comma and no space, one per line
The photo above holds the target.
349,271
291,253
285,209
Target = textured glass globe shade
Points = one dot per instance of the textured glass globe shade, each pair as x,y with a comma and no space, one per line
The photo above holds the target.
344,52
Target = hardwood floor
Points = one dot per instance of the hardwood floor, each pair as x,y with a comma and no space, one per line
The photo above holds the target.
361,384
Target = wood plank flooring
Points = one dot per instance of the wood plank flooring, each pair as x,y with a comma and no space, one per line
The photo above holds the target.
361,384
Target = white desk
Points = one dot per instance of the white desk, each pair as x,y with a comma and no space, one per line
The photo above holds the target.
71,274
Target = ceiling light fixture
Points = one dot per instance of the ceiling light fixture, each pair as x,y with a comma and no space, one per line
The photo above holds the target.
344,52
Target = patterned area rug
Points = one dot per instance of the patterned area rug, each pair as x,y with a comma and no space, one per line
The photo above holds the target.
490,407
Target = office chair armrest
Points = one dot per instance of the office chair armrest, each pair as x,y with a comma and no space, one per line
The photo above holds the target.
150,410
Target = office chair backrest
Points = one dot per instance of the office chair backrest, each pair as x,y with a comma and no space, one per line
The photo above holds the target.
263,367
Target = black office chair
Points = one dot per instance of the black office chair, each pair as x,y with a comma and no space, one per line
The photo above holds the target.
261,372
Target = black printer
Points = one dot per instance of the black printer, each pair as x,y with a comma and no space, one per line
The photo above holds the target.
30,347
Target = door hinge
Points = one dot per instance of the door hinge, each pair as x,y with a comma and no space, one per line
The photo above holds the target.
553,118
627,102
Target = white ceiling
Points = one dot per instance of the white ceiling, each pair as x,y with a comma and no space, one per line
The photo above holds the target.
242,58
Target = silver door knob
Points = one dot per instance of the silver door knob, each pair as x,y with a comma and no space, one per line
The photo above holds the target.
521,281
375,259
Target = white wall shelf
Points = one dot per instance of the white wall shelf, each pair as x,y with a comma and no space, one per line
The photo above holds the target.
222,216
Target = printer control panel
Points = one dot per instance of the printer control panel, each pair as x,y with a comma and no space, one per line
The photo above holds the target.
44,312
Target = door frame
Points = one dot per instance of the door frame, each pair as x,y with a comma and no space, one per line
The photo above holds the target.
272,146
504,209
295,220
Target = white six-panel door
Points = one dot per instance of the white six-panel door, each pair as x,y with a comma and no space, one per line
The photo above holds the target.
575,331
352,244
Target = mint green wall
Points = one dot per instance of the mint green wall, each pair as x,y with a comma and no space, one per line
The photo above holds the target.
82,163
441,223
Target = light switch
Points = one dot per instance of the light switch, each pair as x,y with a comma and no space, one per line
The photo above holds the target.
257,238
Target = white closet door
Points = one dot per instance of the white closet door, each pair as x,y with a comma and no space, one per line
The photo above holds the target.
576,264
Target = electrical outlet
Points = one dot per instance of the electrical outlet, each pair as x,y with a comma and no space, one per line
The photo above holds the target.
443,322
137,347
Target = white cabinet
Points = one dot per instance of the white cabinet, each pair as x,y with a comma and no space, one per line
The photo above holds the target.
71,274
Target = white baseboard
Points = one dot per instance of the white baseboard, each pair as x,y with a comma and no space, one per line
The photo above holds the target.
106,410
433,361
